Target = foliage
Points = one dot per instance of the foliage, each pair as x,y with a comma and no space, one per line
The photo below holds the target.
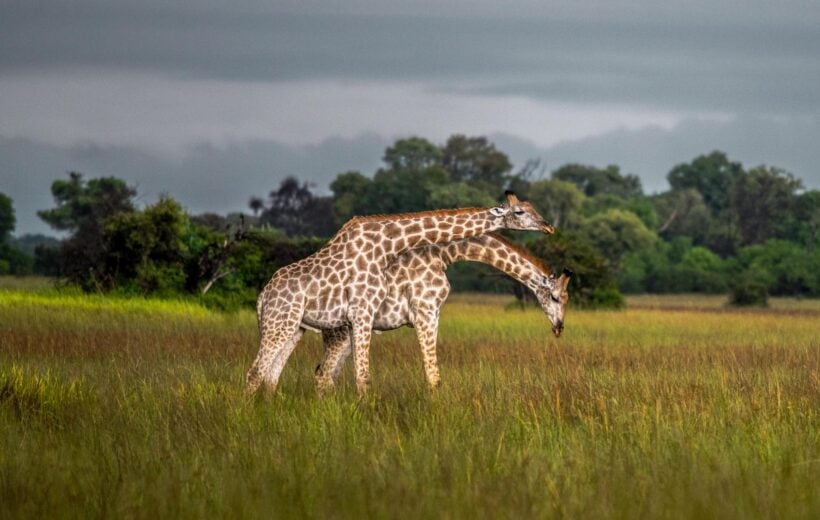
716,222
615,232
82,210
476,161
295,210
7,219
760,200
12,259
593,283
597,181
559,201
750,290
711,175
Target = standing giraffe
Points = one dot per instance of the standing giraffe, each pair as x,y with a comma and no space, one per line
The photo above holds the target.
343,284
417,288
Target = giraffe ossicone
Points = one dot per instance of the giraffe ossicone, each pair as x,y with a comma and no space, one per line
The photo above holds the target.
343,284
418,287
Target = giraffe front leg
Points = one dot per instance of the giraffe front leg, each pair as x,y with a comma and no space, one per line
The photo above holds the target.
282,355
362,329
426,325
279,330
337,348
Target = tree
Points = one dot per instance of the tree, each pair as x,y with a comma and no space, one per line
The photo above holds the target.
559,201
760,200
7,219
146,249
594,181
682,212
711,175
83,207
295,210
351,191
414,153
475,160
593,284
12,260
458,195
616,232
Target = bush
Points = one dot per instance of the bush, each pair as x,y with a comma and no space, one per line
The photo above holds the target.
749,291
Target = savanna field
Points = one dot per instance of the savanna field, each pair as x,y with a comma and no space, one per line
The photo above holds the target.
674,408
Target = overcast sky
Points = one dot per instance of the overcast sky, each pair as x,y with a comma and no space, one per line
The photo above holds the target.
215,101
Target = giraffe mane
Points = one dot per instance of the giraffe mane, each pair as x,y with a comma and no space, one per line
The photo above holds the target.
415,214
521,250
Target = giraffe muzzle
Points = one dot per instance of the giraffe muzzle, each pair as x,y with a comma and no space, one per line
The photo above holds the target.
546,228
558,328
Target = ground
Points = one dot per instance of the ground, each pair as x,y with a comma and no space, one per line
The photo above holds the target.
675,407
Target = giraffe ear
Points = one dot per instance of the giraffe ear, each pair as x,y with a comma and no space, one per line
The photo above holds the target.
499,211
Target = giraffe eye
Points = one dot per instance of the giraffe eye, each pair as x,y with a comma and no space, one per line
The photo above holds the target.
555,298
519,212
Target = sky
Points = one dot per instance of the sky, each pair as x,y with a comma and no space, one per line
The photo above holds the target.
213,102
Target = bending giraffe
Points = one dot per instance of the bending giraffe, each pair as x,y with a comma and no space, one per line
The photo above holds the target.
343,284
418,287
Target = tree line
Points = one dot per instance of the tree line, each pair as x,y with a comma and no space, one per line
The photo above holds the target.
718,228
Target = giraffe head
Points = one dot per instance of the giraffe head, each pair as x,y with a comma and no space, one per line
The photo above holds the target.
522,215
553,296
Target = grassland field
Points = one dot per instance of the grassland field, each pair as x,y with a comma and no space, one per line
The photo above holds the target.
676,407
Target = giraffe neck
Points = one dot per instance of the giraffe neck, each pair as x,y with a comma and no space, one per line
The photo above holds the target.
399,233
496,251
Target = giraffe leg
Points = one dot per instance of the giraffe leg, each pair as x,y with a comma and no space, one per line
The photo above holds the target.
337,348
278,331
426,325
282,355
362,328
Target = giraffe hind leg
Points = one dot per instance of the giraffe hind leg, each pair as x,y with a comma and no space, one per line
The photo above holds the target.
337,348
427,333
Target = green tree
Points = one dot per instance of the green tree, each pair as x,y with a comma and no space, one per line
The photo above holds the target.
786,268
476,160
351,191
559,201
593,284
682,212
458,195
146,250
83,207
761,200
595,181
616,232
414,154
7,219
295,210
12,259
711,175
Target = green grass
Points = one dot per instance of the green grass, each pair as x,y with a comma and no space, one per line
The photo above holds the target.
134,408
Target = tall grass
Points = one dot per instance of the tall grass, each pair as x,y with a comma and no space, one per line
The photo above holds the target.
135,408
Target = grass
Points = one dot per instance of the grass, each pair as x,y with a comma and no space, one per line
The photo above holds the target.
134,408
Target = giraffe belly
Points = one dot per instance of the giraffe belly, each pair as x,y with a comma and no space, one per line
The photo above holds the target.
393,313
325,319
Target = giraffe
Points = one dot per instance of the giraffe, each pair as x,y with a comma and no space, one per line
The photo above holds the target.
343,284
418,287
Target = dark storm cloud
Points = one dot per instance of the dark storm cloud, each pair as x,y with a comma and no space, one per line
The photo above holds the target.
737,59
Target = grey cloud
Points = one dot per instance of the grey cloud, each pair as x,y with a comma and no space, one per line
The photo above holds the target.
724,58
